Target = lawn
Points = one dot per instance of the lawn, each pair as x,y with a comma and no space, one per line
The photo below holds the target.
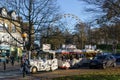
90,77
94,74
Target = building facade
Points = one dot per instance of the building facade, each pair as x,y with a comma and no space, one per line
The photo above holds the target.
10,36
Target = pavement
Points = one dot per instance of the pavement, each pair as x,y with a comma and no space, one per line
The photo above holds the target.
9,66
11,70
14,73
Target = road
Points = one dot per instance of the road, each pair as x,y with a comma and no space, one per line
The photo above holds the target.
17,75
13,73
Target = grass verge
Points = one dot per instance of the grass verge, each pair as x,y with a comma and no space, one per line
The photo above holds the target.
90,77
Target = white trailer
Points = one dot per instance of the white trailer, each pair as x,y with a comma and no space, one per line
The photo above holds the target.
43,63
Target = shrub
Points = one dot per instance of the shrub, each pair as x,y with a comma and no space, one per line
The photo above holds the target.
118,46
104,47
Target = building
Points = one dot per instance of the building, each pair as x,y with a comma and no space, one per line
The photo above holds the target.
10,36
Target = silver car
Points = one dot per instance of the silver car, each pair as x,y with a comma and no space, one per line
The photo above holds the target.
103,61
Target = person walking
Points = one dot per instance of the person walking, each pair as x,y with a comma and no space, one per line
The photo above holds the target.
23,69
12,60
24,65
4,65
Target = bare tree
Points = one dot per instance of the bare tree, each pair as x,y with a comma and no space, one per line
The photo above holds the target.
80,34
53,36
110,19
111,8
36,13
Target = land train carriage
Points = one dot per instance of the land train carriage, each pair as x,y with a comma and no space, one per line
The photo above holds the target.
45,62
71,59
43,65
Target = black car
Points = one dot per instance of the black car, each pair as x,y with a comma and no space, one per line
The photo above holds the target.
103,61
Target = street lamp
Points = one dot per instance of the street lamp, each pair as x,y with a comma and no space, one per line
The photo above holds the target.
24,35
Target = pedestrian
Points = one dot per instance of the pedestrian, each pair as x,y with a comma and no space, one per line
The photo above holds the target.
4,65
24,65
7,59
12,60
24,69
18,59
7,56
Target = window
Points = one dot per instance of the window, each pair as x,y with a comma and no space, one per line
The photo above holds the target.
112,57
1,28
13,29
4,13
13,15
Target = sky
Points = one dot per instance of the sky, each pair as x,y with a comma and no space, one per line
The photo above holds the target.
78,8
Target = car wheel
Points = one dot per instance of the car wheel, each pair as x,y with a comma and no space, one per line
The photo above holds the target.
51,68
48,69
104,66
34,70
91,67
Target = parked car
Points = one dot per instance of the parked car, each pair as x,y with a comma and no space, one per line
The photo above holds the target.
103,61
117,56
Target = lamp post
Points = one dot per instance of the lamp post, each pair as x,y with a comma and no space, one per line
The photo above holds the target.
24,35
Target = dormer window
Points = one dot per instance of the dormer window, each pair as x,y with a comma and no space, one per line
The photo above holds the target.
1,27
13,15
4,12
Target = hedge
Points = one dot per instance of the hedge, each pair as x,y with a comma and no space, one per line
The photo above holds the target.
104,47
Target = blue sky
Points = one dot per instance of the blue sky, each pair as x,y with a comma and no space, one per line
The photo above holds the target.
78,8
